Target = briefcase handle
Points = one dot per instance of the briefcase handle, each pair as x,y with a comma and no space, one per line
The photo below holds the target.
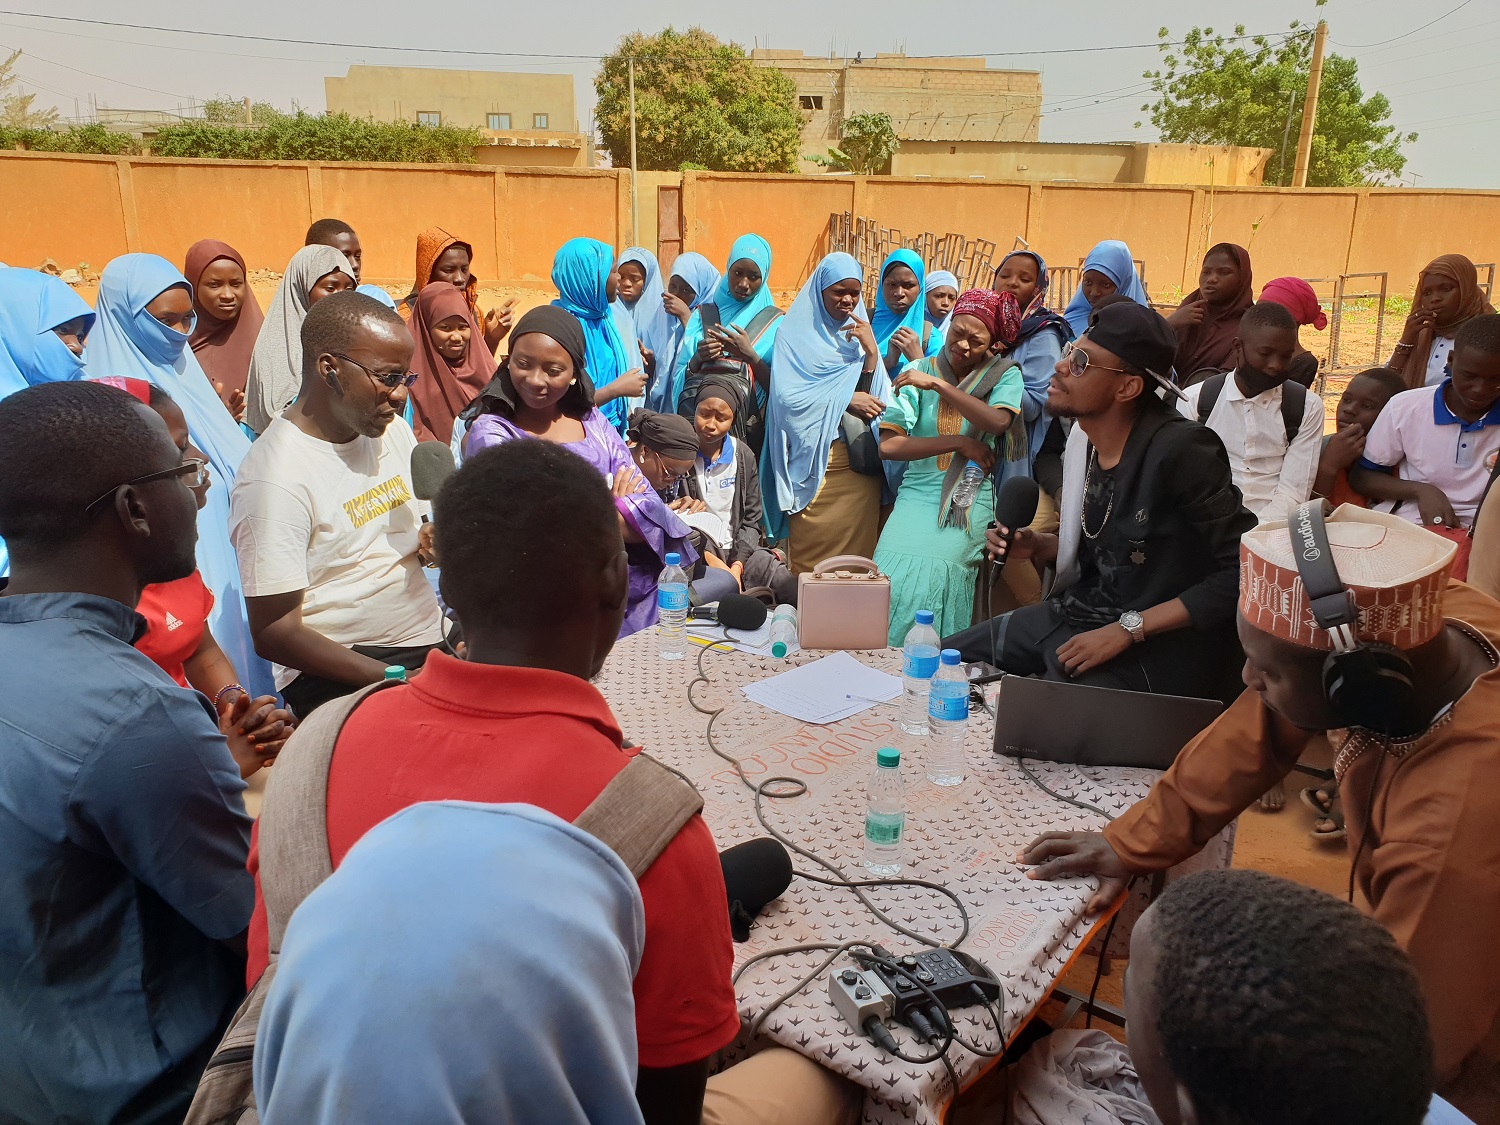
852,566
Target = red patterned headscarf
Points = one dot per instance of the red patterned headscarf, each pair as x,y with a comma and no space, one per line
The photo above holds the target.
998,312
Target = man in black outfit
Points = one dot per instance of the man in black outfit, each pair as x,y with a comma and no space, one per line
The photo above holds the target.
1147,556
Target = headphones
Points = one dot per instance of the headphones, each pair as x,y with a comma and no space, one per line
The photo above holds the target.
1367,684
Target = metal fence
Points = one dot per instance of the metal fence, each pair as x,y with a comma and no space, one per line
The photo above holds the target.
968,259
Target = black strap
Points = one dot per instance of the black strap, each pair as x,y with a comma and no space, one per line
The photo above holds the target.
760,322
1213,387
1332,602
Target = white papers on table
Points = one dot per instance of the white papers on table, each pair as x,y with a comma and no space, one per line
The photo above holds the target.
825,690
757,642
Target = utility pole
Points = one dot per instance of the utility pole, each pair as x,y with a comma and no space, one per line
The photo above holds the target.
1310,106
635,199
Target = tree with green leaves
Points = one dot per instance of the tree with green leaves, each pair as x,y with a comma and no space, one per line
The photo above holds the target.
323,136
867,142
223,110
699,103
1248,90
15,109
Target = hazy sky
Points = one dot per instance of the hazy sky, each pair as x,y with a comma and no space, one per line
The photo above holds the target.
1441,80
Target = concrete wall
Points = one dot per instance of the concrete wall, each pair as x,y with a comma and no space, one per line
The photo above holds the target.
1047,161
567,150
463,97
91,208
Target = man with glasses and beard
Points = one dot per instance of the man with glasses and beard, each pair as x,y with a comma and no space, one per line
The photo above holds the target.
324,521
1147,554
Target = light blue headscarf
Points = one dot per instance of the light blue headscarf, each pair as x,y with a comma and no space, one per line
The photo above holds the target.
1113,259
380,295
32,304
699,273
647,315
885,322
814,372
937,279
464,963
747,247
131,343
580,271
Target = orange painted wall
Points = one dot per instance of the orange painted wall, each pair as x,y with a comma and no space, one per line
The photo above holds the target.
91,208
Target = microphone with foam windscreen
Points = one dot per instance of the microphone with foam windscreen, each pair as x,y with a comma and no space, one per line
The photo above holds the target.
1016,506
733,611
431,465
756,873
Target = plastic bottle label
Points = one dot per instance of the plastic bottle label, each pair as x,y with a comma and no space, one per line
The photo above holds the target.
884,828
669,600
919,667
948,699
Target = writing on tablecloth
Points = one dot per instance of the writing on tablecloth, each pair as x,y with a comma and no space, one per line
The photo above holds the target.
811,752
1014,931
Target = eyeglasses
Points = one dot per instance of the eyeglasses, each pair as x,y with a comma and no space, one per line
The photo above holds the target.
1079,362
389,380
672,477
193,473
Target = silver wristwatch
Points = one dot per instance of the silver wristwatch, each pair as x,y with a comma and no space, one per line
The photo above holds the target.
1134,624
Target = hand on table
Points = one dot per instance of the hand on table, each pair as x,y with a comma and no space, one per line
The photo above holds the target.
1063,855
1093,649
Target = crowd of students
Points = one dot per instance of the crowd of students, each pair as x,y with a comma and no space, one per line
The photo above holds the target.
630,418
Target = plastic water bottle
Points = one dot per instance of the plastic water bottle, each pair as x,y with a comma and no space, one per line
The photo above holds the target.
948,715
885,816
783,630
968,486
919,660
671,609
396,672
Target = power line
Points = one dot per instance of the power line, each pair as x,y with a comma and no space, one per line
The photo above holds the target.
537,54
1413,31
101,77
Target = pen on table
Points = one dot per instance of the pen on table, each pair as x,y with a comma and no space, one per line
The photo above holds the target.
866,699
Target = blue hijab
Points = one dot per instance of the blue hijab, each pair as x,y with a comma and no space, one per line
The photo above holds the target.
131,343
885,322
700,274
465,962
747,247
939,279
815,370
32,304
580,271
1113,259
647,315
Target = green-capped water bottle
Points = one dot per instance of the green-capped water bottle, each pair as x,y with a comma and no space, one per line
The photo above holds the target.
885,816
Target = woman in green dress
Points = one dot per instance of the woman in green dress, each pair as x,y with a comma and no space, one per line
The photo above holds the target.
950,409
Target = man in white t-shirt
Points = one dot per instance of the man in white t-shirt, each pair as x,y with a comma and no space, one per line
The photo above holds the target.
1271,428
1442,441
323,517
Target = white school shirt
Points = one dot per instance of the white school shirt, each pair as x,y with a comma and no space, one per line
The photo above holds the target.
339,522
1274,478
717,480
1437,360
1418,436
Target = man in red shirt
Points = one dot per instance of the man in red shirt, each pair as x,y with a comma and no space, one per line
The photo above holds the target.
534,568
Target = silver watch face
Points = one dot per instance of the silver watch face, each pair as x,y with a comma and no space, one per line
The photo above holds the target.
1131,620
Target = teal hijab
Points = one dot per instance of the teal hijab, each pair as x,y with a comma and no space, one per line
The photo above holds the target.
581,272
747,247
886,322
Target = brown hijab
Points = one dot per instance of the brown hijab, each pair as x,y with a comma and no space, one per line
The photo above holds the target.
443,389
1471,303
430,246
1209,344
223,347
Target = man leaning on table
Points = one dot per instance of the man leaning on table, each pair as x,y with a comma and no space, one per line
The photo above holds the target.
518,721
1421,803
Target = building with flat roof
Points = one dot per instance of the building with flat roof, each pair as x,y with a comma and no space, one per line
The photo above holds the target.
928,100
495,101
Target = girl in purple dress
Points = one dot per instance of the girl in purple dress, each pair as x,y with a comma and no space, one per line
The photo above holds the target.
542,392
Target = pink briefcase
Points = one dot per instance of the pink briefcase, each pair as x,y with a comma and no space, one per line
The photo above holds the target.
845,602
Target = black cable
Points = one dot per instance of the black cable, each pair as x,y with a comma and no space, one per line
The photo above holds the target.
1021,763
1109,932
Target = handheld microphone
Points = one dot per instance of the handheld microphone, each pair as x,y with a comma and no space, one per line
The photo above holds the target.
734,611
756,873
1016,506
431,465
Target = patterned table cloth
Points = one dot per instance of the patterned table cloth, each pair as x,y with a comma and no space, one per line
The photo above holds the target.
965,837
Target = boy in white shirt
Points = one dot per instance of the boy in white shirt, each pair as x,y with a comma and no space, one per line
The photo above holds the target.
1442,441
324,520
1271,428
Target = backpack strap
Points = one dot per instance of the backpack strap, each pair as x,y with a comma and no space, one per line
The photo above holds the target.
640,811
1293,404
760,322
293,836
1213,387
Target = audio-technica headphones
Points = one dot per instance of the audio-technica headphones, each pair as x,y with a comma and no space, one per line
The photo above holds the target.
1367,684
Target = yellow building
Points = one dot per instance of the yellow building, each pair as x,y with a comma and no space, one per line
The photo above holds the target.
928,100
526,119
1064,162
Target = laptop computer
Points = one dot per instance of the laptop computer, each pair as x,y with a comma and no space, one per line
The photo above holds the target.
1095,726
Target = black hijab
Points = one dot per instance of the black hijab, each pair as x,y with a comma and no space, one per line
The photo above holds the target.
671,435
499,397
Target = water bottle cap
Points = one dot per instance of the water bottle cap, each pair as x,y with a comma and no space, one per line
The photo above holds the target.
778,649
888,757
674,559
395,672
951,656
924,617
